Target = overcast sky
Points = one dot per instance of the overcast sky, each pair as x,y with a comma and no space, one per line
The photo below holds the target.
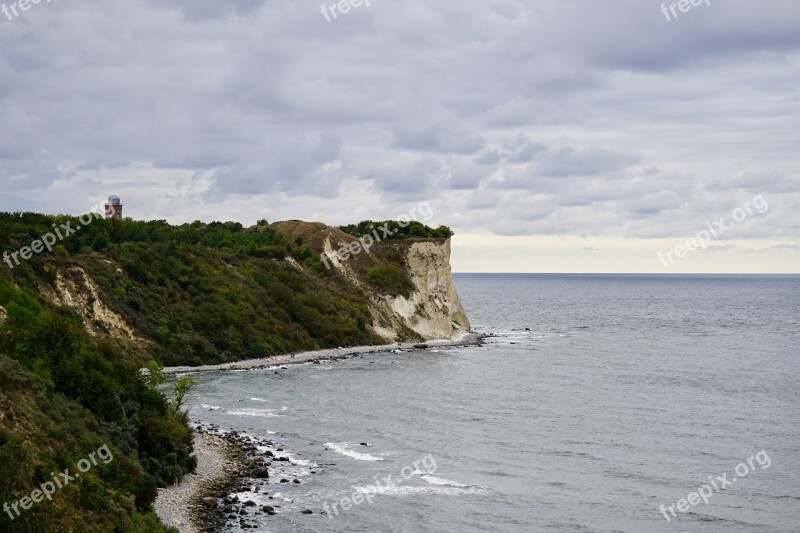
552,136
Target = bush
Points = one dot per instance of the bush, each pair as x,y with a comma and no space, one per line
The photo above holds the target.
391,279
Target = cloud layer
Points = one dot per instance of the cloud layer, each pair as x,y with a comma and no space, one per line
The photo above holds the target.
511,117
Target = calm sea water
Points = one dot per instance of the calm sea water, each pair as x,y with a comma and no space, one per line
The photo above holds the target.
626,393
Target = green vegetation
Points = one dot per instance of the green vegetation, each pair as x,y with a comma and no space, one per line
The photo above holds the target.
192,294
203,293
413,230
64,395
390,278
181,388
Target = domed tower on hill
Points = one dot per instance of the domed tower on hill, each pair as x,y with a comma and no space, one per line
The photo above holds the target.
114,207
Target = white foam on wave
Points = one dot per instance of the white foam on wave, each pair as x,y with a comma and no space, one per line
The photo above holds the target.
433,480
283,407
262,413
212,407
408,490
302,462
344,448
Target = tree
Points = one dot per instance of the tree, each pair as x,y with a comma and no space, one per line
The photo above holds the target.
155,374
181,387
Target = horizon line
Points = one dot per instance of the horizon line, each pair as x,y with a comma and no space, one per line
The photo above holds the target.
638,273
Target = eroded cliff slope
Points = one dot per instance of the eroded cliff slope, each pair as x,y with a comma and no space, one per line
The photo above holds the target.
213,293
428,309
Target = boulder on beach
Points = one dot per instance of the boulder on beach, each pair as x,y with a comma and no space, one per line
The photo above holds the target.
260,472
210,501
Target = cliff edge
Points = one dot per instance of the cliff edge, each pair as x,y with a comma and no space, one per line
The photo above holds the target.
200,293
428,309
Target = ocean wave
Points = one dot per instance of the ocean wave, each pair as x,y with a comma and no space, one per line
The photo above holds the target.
283,407
433,480
408,490
212,407
344,448
262,413
302,462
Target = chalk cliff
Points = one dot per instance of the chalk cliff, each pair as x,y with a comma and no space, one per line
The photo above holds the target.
201,294
430,310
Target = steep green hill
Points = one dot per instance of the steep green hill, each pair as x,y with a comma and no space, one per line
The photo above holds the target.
64,395
78,321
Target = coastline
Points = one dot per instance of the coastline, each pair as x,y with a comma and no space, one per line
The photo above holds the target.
328,354
177,506
230,461
233,470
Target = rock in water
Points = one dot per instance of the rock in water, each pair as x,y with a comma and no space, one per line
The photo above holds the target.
261,473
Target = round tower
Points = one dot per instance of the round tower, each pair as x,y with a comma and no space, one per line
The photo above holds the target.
114,207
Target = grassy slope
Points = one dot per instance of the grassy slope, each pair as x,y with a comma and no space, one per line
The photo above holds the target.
197,293
63,396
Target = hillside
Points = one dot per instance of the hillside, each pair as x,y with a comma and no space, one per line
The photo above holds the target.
64,395
77,323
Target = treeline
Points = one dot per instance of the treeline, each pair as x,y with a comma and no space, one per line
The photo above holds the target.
204,293
393,229
20,229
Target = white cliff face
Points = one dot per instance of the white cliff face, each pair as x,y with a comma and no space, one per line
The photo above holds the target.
75,289
433,310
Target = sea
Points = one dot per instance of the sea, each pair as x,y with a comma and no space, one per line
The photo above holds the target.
595,404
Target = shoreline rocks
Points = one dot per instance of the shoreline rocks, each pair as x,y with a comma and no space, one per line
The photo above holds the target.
231,462
330,354
175,505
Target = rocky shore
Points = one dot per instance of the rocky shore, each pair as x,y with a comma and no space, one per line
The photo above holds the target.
177,506
330,354
234,470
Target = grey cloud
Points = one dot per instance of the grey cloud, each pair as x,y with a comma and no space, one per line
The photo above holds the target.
571,161
293,165
526,117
